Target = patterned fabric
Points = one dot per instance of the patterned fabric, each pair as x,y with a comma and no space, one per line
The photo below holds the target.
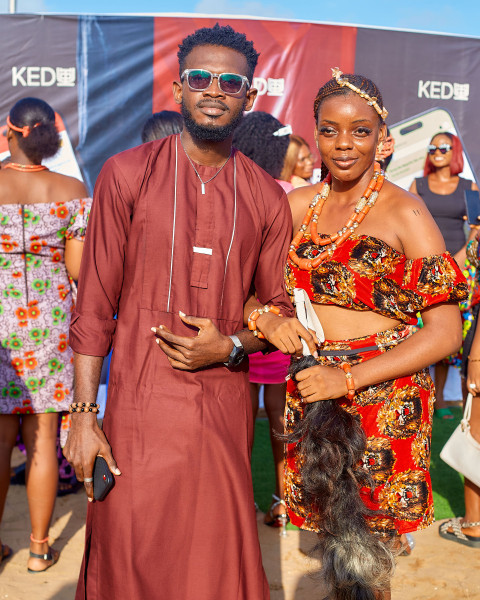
469,272
473,255
365,273
396,416
36,370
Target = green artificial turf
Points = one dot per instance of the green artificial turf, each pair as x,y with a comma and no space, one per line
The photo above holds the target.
447,483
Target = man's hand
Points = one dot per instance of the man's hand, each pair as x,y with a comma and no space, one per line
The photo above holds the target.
191,353
85,442
321,383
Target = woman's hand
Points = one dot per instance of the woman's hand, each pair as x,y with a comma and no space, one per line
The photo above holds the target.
473,377
286,334
321,383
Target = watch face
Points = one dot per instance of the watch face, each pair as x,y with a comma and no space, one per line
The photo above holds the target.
236,356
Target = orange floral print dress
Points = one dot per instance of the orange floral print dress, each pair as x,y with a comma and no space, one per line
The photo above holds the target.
36,301
364,273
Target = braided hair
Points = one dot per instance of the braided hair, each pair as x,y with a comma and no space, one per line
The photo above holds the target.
43,140
333,88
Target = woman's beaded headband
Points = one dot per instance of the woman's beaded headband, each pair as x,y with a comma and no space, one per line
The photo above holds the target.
371,100
26,130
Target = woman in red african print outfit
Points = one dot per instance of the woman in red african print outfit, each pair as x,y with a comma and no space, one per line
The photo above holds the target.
365,290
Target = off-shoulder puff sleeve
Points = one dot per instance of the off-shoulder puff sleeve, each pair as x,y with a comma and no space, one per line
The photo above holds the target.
434,279
473,252
77,226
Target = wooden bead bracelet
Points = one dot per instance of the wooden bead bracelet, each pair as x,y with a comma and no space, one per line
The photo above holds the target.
350,382
77,407
470,359
253,316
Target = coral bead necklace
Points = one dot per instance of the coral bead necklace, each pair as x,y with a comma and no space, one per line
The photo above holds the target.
368,199
25,168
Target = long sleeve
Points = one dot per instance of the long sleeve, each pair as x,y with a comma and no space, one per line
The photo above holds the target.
101,274
276,237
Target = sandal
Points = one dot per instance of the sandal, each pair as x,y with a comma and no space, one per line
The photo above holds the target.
65,487
408,544
457,535
6,553
443,413
51,556
279,520
17,476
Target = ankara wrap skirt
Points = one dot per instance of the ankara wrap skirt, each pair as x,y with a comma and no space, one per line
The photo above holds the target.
396,417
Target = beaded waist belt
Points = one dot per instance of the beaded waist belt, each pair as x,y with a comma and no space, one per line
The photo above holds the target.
346,352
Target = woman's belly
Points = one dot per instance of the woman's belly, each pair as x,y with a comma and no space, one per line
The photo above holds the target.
344,323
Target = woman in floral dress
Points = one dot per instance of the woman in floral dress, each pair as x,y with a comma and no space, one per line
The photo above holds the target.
43,216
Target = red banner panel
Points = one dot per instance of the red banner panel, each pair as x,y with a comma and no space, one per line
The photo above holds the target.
295,60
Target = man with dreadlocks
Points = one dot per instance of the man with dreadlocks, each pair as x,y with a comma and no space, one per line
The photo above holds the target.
181,230
369,256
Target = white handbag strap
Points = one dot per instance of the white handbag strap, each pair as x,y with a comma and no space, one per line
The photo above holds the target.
468,409
307,316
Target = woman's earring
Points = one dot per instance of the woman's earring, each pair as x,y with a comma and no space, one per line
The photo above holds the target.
378,153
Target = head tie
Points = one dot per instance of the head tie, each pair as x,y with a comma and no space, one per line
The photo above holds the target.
287,130
371,100
26,130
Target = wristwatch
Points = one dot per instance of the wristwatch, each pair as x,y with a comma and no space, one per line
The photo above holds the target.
237,354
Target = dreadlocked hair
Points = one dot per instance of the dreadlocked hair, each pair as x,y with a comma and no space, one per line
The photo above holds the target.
219,36
356,565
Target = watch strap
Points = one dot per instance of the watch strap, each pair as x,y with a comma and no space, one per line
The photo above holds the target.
237,354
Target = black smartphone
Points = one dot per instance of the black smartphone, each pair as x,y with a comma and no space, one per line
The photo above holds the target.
103,480
472,204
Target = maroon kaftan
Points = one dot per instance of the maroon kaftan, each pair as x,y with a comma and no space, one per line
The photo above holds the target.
180,522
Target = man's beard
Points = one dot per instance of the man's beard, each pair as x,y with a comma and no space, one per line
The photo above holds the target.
209,133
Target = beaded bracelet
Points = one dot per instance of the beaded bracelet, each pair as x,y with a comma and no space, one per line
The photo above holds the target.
253,316
350,382
77,407
470,359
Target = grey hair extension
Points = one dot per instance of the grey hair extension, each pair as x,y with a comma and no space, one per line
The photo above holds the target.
356,564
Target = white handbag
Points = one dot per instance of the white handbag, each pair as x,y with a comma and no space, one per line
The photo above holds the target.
307,316
462,451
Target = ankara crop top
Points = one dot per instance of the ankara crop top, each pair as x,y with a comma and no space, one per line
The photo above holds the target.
365,273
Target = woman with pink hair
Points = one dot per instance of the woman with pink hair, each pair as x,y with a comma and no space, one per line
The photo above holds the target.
442,189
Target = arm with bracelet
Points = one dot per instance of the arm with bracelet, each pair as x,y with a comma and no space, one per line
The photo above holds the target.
86,440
